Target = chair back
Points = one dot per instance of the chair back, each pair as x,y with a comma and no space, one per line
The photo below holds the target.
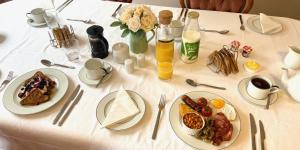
239,6
124,1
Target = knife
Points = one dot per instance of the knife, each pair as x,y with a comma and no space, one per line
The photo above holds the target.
253,131
64,5
262,135
62,110
185,13
61,122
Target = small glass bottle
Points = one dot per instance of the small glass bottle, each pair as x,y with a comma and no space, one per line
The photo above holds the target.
190,39
164,46
98,43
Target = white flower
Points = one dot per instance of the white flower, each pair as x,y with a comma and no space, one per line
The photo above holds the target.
126,15
134,24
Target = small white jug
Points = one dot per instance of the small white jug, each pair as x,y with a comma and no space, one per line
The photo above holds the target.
292,59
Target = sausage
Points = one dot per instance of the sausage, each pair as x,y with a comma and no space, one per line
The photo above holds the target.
187,100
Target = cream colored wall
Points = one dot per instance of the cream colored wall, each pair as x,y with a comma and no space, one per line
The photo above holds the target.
284,8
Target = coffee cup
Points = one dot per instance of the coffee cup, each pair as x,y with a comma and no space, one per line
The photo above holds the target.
94,68
259,87
36,15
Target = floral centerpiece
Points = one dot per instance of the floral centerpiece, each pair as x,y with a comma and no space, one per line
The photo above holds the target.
136,21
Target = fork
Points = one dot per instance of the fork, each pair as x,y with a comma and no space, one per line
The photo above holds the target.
115,13
7,80
161,106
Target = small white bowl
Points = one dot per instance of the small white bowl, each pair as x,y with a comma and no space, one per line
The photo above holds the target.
191,131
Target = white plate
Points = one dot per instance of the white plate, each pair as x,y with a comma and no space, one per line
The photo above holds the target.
30,22
243,91
11,101
105,104
254,24
191,140
83,78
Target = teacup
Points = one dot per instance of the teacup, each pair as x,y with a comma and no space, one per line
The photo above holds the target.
94,68
259,87
36,15
292,59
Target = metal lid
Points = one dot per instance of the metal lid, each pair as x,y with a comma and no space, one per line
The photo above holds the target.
165,17
94,31
193,15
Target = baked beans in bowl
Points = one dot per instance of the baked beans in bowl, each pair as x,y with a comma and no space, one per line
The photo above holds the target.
192,123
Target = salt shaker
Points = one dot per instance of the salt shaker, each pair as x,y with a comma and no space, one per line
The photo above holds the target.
120,52
129,66
140,60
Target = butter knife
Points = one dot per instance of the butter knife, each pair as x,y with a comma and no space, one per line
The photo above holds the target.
62,110
61,122
253,131
262,135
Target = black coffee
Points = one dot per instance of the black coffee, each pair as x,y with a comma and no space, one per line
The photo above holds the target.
260,83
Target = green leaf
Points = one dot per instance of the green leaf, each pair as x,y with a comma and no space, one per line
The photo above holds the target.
123,26
116,23
125,33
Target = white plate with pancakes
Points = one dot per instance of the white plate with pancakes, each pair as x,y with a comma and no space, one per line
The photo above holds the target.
11,101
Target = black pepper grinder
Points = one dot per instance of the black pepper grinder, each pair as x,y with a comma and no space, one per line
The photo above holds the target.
98,43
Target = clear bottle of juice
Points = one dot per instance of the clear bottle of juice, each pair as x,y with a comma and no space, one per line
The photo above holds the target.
164,46
190,39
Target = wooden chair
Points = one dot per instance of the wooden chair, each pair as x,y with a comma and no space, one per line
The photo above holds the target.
239,6
125,1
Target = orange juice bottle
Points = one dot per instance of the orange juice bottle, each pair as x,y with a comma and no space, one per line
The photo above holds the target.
164,46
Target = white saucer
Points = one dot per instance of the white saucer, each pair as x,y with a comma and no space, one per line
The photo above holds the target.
83,78
254,24
243,91
30,22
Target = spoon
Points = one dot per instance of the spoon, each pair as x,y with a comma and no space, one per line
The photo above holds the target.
217,31
89,21
49,63
193,83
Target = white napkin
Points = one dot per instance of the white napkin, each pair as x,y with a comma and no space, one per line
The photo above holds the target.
122,108
268,24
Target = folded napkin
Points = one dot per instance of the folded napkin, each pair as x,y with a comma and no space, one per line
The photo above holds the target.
122,108
268,24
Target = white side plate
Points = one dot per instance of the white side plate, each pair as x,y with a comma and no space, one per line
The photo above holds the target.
105,104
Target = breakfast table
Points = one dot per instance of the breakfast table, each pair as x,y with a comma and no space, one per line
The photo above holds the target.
24,46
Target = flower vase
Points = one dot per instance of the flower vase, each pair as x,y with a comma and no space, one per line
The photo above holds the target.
138,42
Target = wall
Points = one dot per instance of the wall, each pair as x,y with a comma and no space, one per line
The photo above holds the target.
284,8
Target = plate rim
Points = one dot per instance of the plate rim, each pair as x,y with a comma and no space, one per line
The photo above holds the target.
142,116
238,116
253,28
4,101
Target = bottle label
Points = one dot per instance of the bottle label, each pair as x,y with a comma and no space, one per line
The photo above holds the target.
189,51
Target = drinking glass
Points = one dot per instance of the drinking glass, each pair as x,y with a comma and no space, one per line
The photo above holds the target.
51,18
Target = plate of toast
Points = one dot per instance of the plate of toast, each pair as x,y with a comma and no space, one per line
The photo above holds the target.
35,91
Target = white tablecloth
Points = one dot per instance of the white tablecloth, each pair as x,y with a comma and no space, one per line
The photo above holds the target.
24,46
